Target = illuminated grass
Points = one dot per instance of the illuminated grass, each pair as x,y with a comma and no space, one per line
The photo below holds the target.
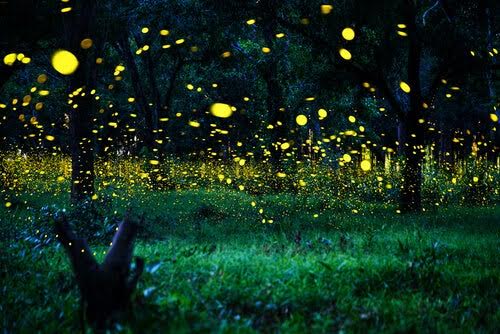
212,266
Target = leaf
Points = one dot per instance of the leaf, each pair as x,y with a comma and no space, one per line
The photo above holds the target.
147,292
326,265
153,268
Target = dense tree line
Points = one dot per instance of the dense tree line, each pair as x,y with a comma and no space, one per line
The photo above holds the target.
411,73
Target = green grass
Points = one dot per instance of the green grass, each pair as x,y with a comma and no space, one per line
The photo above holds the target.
213,266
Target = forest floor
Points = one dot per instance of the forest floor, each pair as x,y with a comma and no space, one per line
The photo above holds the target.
214,266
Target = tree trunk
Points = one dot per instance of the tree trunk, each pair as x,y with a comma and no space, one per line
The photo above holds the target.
490,74
79,26
140,95
155,110
105,289
274,98
167,102
411,198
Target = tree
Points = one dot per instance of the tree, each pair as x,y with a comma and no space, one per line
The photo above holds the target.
80,26
395,67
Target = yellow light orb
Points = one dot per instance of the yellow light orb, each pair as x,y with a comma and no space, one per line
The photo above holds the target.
366,165
322,113
348,34
346,157
301,120
10,59
405,87
345,54
194,124
221,110
64,62
42,78
326,9
86,43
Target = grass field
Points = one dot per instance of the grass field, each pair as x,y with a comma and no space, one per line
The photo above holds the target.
227,261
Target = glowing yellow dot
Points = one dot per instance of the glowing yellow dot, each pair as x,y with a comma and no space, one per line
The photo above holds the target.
322,113
266,49
285,146
348,34
42,78
494,117
154,162
194,124
280,35
164,32
221,110
145,30
301,120
326,9
179,41
64,62
86,43
352,119
10,59
250,22
8,204
366,165
66,9
189,86
345,54
346,157
405,87
50,138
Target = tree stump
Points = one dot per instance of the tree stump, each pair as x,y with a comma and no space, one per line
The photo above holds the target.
105,288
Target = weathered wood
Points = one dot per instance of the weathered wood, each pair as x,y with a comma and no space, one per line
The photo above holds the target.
105,288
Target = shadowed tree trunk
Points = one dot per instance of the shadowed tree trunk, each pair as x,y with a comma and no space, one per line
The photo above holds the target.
153,86
140,94
490,72
79,26
105,288
411,197
269,71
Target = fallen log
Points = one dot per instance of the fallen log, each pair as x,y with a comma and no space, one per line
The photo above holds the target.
105,289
